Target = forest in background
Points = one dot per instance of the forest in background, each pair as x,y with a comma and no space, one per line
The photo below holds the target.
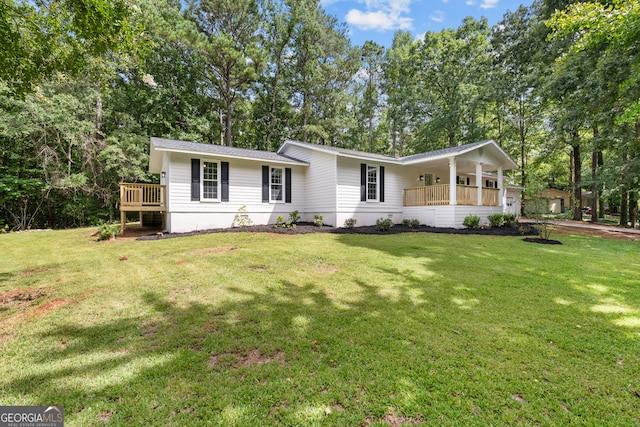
85,83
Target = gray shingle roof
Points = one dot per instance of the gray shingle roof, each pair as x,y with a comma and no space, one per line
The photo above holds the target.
348,152
400,160
444,151
222,150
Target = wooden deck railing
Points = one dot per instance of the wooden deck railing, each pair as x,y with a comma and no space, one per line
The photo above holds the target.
438,195
142,197
467,195
490,196
431,195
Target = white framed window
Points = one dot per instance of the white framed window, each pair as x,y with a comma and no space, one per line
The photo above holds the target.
372,183
276,187
210,181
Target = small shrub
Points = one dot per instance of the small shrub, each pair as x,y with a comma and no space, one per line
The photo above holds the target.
318,220
294,217
350,222
384,224
411,223
108,231
496,220
242,217
471,221
279,222
510,220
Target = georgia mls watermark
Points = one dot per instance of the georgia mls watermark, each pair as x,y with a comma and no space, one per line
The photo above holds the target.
31,416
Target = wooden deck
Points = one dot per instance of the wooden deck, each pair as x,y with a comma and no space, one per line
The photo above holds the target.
438,195
141,198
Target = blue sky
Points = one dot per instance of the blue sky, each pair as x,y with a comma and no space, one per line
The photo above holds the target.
378,20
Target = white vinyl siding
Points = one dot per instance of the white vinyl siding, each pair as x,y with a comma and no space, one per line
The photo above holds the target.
245,189
320,185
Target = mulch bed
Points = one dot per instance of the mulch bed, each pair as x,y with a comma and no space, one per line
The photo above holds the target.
542,241
305,228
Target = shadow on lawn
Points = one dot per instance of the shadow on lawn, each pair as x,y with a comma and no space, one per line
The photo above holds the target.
365,354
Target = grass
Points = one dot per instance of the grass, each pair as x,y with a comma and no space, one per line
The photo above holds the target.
261,329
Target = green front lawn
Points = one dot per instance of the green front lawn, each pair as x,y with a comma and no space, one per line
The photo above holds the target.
251,329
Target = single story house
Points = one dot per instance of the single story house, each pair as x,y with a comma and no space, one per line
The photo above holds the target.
210,186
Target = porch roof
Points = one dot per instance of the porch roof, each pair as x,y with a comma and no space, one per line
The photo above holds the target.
487,152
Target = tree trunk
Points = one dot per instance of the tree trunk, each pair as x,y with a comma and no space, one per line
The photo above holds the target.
222,131
633,208
229,105
370,111
577,178
600,199
394,136
274,100
523,159
594,176
624,196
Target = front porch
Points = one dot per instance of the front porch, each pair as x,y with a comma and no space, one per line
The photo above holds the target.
141,198
440,195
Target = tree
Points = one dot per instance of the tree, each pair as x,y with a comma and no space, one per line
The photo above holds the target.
613,27
229,41
400,84
453,66
270,110
513,83
39,39
372,54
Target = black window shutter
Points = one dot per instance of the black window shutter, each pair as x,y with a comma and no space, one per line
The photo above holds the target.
381,183
265,184
195,179
224,186
287,185
363,182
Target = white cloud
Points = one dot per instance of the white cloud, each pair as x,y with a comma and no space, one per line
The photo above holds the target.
381,15
470,2
437,16
489,4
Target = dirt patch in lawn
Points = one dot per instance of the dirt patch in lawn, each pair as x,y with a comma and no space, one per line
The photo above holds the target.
254,358
394,421
22,295
214,251
37,270
49,306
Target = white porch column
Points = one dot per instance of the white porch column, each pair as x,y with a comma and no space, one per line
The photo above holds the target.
453,194
500,187
479,182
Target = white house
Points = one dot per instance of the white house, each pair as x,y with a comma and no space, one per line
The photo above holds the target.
206,186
